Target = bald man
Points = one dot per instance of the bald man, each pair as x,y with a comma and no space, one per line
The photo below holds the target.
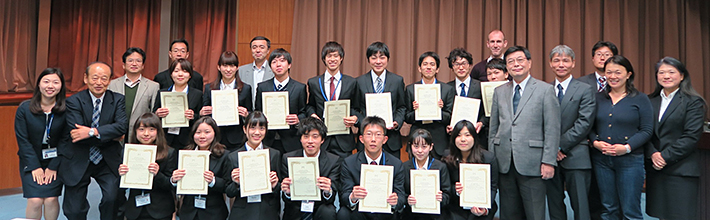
497,44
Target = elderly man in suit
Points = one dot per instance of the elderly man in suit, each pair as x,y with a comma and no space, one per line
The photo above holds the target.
525,137
259,71
577,109
178,49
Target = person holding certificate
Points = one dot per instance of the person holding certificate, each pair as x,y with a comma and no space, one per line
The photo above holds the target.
461,64
465,148
181,70
157,203
227,79
420,149
429,68
312,132
264,206
205,134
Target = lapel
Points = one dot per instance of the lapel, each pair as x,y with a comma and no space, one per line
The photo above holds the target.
213,162
527,93
269,85
106,108
139,93
469,93
88,106
248,74
675,102
322,162
122,88
388,82
344,86
368,78
569,93
361,159
656,104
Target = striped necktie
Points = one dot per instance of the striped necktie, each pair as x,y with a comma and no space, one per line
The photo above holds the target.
380,87
94,152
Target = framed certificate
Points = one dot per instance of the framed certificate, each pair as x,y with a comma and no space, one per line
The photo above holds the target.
465,109
176,102
224,107
304,174
254,172
428,98
333,114
424,186
275,106
137,157
380,105
195,163
487,89
377,180
476,181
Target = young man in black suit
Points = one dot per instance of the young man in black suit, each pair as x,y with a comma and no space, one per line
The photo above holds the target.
601,51
460,62
178,49
97,120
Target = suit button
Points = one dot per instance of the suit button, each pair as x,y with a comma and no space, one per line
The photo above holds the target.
608,138
513,125
510,140
610,125
609,114
627,137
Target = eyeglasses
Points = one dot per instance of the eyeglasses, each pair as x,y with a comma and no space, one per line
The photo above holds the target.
377,135
606,55
464,64
179,50
512,61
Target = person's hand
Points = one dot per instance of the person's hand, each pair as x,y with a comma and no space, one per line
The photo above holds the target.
235,175
392,199
80,133
459,188
601,145
441,103
350,121
273,178
547,170
206,110
286,186
189,114
324,184
479,211
162,112
49,176
358,193
315,116
242,111
415,105
38,176
449,129
394,125
177,176
479,125
122,169
560,156
439,196
209,176
291,119
153,168
658,161
411,200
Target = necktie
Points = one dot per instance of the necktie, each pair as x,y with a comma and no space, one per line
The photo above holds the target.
332,88
380,88
463,90
279,87
559,93
373,163
602,83
516,98
94,152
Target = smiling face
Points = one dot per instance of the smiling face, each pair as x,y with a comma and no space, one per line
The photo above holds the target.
428,69
228,71
311,142
134,63
462,68
600,56
378,62
562,65
146,135
50,85
180,76
518,65
421,149
669,77
496,43
204,136
464,141
259,50
255,134
616,75
97,79
333,61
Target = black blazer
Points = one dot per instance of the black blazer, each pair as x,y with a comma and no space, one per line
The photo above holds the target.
348,90
297,105
350,177
194,102
231,135
112,125
437,128
474,91
270,204
394,84
29,130
216,208
162,204
165,80
328,165
454,206
444,186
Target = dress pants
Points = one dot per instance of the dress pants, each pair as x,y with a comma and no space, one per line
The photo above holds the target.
76,206
521,197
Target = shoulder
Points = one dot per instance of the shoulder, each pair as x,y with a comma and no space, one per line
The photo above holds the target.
352,159
25,105
162,74
392,75
488,157
194,91
314,80
290,154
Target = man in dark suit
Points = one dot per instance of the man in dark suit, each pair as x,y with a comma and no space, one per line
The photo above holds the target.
284,140
97,120
258,71
178,49
525,137
379,80
312,132
331,86
601,51
496,43
577,109
465,85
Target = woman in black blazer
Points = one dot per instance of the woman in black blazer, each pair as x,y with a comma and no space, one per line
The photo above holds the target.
420,148
205,134
228,78
181,70
673,170
39,127
148,130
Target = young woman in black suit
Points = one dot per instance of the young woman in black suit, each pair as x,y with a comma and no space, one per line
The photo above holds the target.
181,70
39,127
148,130
420,148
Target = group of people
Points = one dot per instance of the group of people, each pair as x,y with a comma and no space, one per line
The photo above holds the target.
596,137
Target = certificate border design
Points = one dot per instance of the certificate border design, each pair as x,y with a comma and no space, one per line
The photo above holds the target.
437,208
488,101
127,153
308,161
165,95
327,106
421,88
390,180
274,125
388,120
206,163
457,116
487,203
267,168
233,94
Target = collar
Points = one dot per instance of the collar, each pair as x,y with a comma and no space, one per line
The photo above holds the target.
337,75
263,65
382,76
597,75
223,86
670,96
425,166
132,84
260,147
377,160
522,84
466,82
565,83
306,155
94,98
277,83
172,89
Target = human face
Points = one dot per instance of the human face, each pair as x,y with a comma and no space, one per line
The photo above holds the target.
50,85
616,76
496,43
428,69
518,65
259,50
280,67
600,56
98,78
496,75
134,63
562,65
228,71
464,142
333,61
179,50
146,135
421,149
378,62
311,142
204,135
462,68
255,134
669,77
373,137
180,76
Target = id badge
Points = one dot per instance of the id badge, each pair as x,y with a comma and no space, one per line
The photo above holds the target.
427,122
200,202
175,131
142,200
254,199
307,206
49,153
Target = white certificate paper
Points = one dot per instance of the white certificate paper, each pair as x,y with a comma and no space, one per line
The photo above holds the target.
333,114
304,173
428,98
225,105
424,186
137,157
275,106
476,180
254,172
176,102
380,105
195,163
465,109
487,89
377,180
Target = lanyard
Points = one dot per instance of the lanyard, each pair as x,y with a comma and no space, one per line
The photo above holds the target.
48,127
320,84
417,167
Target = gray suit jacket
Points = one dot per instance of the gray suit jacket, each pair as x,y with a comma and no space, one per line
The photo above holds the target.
530,136
246,74
578,109
590,79
145,97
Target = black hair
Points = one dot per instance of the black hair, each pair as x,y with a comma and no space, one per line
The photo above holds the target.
432,55
184,65
181,40
256,118
685,87
497,63
216,149
329,47
228,58
132,50
373,120
621,60
309,124
280,52
151,120
459,52
455,156
418,136
377,47
36,100
268,42
517,48
608,44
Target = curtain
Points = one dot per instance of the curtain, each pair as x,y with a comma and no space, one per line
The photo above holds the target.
18,38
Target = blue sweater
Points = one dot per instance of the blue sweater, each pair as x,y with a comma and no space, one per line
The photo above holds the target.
630,121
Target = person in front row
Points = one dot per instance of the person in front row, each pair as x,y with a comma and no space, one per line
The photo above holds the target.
264,206
373,134
205,136
421,150
312,132
160,204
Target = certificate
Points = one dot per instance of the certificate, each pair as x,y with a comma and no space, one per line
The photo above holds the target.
476,180
137,157
195,163
487,89
304,174
425,185
380,105
333,114
428,97
224,107
377,180
176,102
254,172
275,106
465,109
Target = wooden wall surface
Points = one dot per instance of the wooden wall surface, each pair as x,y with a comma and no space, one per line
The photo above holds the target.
9,161
272,19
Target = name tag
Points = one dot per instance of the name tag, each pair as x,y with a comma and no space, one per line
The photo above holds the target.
200,202
175,131
254,199
466,207
307,206
142,200
427,122
49,153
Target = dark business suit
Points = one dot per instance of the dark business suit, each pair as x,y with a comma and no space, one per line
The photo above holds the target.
444,187
394,84
162,204
436,128
216,208
458,212
165,80
194,102
270,204
297,97
342,145
76,169
474,91
232,136
595,203
328,166
577,109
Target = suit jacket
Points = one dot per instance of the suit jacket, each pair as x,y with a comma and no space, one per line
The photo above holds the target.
144,100
270,204
436,128
530,136
246,74
112,124
165,80
394,84
234,135
296,105
194,102
444,185
474,91
350,177
578,110
216,208
328,166
29,131
348,90
162,204
590,79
